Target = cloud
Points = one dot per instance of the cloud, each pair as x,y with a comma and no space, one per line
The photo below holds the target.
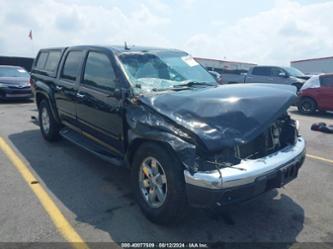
57,23
287,31
68,22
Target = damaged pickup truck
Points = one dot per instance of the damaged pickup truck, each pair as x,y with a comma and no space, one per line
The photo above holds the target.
186,139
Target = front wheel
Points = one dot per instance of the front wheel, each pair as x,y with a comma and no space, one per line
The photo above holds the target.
48,125
158,182
307,106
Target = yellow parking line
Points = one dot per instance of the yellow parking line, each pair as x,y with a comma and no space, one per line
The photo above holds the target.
59,220
320,158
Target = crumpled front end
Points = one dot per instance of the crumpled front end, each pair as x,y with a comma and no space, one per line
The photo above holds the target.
282,133
234,142
244,171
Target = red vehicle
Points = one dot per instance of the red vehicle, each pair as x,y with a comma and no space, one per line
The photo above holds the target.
316,94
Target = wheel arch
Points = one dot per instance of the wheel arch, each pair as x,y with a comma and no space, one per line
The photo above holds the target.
309,97
40,96
139,141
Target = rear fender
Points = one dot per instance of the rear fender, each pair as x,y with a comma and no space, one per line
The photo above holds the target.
44,91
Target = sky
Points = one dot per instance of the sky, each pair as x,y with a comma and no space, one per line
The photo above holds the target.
257,31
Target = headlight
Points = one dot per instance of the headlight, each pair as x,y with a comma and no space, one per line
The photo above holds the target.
2,85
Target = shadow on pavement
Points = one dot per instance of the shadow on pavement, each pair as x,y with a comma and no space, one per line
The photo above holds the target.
316,115
100,196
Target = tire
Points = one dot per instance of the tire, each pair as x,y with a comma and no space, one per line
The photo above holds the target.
171,208
48,125
307,106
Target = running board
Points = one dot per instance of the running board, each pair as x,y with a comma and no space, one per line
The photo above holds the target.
91,146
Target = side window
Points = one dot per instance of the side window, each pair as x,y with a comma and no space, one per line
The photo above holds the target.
262,71
41,60
99,71
71,66
275,71
52,61
326,80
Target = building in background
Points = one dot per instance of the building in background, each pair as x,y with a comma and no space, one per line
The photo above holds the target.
314,66
24,62
231,71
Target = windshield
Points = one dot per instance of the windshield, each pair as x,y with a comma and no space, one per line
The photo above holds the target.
294,72
313,82
164,70
13,72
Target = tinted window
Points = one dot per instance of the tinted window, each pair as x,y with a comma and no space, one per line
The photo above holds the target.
262,71
326,80
275,71
52,61
98,71
72,64
41,60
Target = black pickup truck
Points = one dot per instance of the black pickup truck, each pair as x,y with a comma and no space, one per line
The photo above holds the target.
185,138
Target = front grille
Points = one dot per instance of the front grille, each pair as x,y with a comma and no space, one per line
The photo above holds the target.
19,88
279,135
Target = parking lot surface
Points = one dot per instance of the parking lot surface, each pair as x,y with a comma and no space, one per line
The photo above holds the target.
96,199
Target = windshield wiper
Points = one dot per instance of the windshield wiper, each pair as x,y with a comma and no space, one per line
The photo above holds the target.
184,86
193,83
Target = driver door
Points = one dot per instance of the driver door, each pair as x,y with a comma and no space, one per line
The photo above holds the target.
99,112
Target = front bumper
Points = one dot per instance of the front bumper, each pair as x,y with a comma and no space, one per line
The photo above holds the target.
15,93
245,180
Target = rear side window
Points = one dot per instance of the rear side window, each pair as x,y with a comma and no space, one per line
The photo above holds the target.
52,61
41,60
71,66
326,80
262,71
99,71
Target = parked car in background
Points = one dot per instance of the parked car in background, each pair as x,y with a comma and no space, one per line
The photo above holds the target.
276,75
217,77
316,94
185,138
14,83
269,74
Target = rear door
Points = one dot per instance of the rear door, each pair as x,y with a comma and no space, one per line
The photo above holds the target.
326,92
99,112
67,86
260,75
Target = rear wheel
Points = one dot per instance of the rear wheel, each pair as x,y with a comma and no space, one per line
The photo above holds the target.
48,125
158,182
307,106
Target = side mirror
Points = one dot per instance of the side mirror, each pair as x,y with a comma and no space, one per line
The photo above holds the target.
283,75
119,93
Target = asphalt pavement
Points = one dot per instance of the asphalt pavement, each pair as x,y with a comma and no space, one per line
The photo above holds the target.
95,197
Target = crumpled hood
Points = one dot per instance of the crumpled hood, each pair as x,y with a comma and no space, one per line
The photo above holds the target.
227,115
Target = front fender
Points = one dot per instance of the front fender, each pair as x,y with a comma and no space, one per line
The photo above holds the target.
146,125
184,151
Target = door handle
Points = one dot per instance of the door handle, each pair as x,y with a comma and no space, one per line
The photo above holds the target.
59,88
79,95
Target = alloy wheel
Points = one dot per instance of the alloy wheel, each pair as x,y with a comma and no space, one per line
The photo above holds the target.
45,120
153,182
